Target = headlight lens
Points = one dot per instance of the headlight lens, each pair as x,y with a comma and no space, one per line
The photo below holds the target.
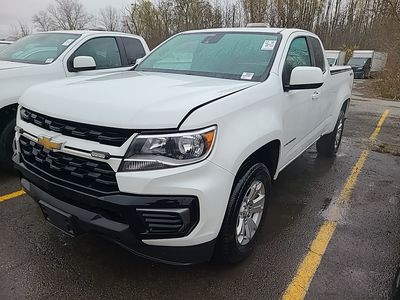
153,152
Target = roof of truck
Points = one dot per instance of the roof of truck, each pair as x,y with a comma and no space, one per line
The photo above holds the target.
251,29
89,32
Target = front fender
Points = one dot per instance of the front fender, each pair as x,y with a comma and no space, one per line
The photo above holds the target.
246,121
14,82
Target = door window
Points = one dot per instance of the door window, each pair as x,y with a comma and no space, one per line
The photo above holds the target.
319,60
104,50
134,49
298,55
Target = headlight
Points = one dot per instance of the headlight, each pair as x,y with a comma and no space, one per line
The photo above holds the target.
154,152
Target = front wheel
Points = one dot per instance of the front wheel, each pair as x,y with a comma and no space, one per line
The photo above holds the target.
6,139
328,144
246,208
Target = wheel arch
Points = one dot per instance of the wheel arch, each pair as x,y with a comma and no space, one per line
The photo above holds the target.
345,107
267,154
7,113
346,104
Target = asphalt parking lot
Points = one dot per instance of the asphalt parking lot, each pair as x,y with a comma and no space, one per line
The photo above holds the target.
360,261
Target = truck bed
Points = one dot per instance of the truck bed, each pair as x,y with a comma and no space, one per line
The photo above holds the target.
339,69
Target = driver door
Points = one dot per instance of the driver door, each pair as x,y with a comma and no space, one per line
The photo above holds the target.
106,54
301,111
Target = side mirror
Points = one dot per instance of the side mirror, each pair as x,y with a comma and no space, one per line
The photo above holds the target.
303,78
84,63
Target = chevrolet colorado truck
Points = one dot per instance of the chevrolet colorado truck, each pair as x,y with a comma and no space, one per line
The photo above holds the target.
47,56
174,159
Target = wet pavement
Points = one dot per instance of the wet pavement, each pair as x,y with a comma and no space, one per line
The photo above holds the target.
38,262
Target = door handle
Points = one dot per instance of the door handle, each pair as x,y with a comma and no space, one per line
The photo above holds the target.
315,95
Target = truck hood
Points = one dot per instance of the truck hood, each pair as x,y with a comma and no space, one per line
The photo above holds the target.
137,100
6,65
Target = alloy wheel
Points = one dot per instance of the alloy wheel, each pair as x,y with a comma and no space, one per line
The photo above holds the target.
250,212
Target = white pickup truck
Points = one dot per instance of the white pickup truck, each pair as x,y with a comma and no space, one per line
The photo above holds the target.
174,160
47,56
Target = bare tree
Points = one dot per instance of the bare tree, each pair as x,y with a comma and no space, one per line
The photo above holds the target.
143,18
255,10
63,15
110,18
20,30
158,21
43,21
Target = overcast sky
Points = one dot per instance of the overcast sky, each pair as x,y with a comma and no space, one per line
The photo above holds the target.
12,11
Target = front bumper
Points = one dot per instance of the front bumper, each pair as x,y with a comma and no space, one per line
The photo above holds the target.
118,217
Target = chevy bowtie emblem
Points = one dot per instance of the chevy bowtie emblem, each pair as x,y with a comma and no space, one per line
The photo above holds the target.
47,143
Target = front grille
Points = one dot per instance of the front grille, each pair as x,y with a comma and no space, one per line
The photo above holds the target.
103,135
165,221
91,175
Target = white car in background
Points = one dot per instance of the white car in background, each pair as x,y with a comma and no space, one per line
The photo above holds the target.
4,44
54,55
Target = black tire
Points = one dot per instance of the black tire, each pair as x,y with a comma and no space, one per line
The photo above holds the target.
396,287
6,140
327,145
228,249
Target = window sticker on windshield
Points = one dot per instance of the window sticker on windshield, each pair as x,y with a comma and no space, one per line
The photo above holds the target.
68,42
247,76
268,45
49,60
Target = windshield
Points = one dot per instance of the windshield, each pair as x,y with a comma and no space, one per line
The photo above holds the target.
331,61
357,61
42,48
243,56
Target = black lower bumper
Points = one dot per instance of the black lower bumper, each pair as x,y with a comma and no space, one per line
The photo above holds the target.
116,217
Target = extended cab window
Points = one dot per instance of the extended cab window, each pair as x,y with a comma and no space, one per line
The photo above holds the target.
134,49
319,60
298,55
104,50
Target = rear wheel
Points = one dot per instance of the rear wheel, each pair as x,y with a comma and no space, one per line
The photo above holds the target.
6,139
246,208
396,287
329,144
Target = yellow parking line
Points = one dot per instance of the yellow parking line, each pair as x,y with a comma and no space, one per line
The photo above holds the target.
299,285
379,125
12,195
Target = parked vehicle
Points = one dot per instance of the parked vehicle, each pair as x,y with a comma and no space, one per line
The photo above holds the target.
335,57
48,56
4,44
174,160
367,62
